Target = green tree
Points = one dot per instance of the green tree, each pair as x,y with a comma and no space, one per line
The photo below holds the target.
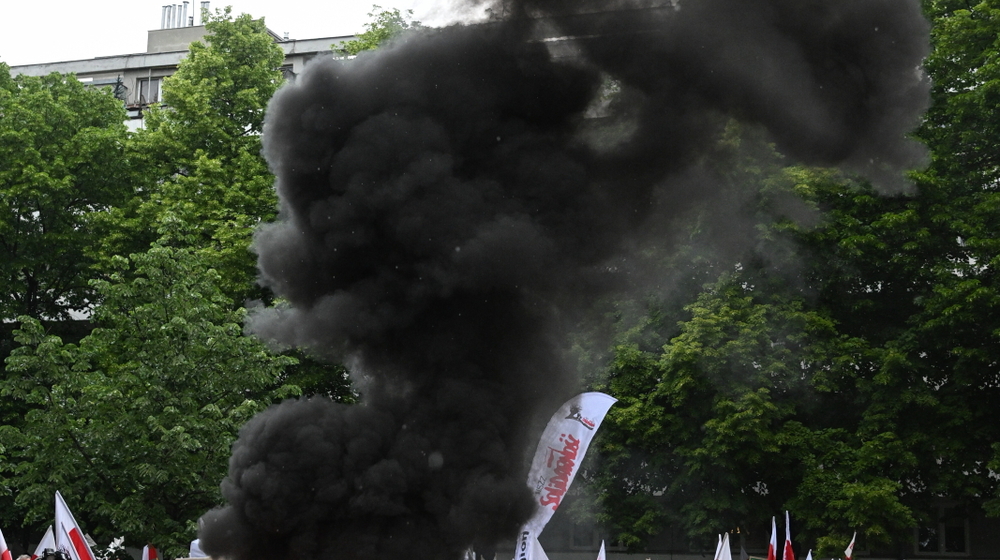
855,378
203,171
135,420
134,424
755,405
62,163
62,166
385,25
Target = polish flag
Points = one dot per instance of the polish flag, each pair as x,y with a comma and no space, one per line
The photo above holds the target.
788,554
849,551
4,550
149,553
809,555
602,555
772,547
48,542
69,537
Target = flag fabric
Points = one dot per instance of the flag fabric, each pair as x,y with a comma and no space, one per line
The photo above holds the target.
149,553
743,553
528,547
68,536
788,554
561,449
537,552
4,549
723,552
48,542
809,555
772,547
195,550
718,549
525,549
849,551
602,555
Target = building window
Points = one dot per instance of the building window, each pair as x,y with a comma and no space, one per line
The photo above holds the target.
947,534
148,90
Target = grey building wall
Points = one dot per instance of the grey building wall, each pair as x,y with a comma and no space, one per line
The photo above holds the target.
137,77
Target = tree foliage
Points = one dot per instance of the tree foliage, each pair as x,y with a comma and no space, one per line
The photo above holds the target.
136,421
385,25
200,154
62,162
852,378
133,422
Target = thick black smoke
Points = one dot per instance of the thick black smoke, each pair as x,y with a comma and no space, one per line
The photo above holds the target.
441,210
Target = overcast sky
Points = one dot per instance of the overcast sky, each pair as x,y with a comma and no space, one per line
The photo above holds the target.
33,32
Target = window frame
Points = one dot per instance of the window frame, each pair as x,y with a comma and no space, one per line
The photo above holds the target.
941,524
143,85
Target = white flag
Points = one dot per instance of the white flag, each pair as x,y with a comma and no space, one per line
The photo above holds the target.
538,553
195,550
48,542
561,449
528,547
557,458
849,551
602,555
69,537
809,555
722,551
4,549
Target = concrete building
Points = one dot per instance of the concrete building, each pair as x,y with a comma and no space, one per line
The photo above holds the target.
136,78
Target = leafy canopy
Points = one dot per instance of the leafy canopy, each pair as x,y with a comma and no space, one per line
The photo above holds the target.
843,367
384,26
206,185
62,163
136,421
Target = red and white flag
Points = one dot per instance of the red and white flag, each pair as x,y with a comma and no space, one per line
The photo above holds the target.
849,551
772,547
4,549
602,555
788,554
69,537
48,542
149,553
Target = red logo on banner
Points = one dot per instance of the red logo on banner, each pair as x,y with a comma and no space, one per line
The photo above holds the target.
562,461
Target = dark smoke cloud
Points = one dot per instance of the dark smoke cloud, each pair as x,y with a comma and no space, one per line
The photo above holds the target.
442,212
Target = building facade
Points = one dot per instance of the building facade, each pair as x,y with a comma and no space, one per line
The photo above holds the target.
137,78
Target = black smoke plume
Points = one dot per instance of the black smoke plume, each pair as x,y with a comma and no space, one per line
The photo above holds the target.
442,213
